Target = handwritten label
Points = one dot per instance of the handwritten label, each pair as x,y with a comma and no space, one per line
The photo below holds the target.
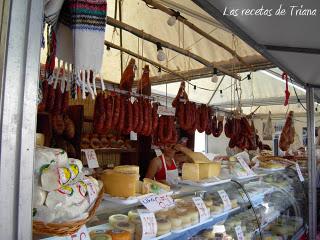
239,232
225,199
149,224
166,111
156,203
82,234
204,212
158,152
245,166
91,158
301,178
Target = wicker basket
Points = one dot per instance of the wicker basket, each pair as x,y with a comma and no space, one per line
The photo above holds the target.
66,228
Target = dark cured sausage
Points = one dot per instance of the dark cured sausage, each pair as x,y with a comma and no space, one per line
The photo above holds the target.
116,111
99,114
218,129
57,100
109,105
135,115
141,119
128,117
51,96
122,114
45,89
155,117
65,102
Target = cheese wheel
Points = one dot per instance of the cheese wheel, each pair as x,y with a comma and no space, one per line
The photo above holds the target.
176,222
135,219
114,219
163,226
234,203
208,202
118,234
194,215
131,169
133,213
216,209
126,226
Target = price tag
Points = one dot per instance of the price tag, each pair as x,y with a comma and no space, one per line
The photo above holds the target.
225,199
156,203
92,193
204,212
91,158
149,224
82,234
158,152
245,166
166,111
239,232
301,178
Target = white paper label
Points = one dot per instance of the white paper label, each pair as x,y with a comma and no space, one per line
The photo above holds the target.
92,193
91,158
156,203
239,232
204,212
82,234
225,199
158,152
133,136
149,224
166,111
299,173
245,166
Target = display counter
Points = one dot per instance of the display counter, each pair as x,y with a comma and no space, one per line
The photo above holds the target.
268,206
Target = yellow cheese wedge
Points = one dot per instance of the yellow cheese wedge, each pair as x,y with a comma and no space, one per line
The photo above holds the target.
200,171
119,184
196,157
147,182
127,169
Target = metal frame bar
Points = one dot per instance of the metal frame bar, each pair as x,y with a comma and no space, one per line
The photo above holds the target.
19,59
312,166
292,49
208,6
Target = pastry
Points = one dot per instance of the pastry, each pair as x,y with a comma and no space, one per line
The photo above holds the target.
135,219
163,226
114,219
186,219
133,213
216,209
194,215
234,203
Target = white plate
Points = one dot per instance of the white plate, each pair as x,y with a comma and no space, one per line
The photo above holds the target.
192,226
127,201
205,183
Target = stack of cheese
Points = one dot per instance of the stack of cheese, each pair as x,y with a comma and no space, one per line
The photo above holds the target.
201,168
123,181
61,191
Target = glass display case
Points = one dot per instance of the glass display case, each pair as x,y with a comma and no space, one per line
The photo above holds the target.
269,206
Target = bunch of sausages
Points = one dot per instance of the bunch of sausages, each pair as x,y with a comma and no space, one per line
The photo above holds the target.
53,100
191,118
117,112
287,134
242,134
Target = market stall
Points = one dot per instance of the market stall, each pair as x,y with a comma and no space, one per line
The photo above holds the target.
119,102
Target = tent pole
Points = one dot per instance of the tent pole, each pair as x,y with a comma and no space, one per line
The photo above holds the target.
114,46
312,166
195,28
148,37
